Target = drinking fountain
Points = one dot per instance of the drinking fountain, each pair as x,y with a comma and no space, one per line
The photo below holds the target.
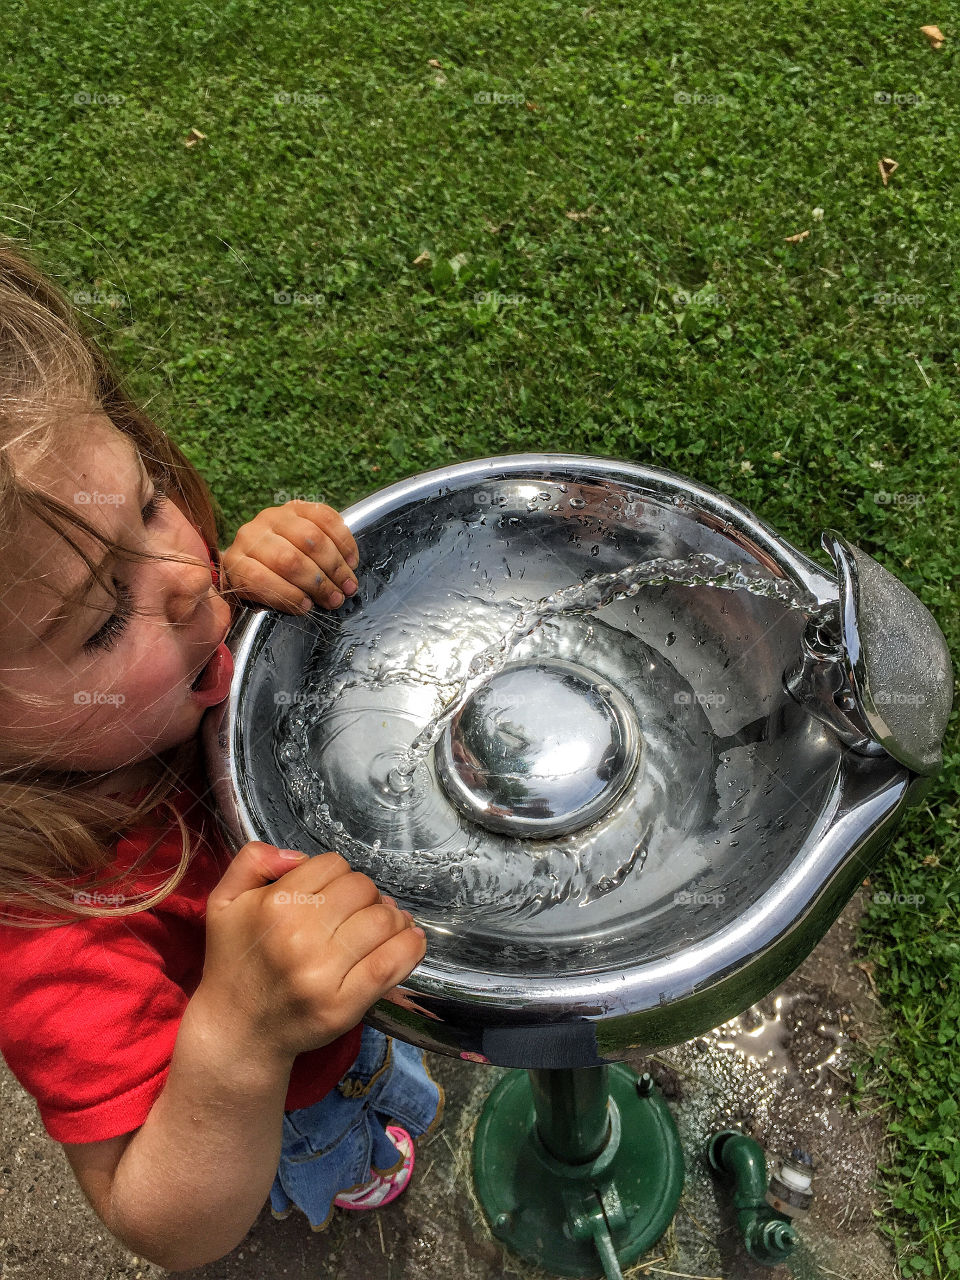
625,753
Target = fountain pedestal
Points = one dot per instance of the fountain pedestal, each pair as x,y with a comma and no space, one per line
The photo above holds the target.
578,1169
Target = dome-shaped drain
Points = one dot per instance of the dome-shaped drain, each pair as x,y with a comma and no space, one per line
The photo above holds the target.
539,750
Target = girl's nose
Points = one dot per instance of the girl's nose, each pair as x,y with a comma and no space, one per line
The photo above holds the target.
187,585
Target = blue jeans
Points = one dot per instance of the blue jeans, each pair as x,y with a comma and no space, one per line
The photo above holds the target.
340,1142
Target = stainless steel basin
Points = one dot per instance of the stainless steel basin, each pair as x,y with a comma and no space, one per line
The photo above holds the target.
650,817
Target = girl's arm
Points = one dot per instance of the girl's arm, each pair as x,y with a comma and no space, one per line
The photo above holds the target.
297,950
185,1188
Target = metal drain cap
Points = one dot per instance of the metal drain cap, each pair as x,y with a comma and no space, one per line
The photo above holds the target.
539,750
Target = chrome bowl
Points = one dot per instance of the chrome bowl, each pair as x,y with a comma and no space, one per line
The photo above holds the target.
649,817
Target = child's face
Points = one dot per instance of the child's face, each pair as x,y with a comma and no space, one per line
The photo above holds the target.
129,698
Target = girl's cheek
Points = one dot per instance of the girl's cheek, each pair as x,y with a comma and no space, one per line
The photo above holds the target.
155,676
134,683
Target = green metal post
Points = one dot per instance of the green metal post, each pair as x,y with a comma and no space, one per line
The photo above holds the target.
573,1112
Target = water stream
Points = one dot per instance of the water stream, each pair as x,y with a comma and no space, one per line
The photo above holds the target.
594,593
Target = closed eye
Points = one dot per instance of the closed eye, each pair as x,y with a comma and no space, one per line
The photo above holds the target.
111,631
152,508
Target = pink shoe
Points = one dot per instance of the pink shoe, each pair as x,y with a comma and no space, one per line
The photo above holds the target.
383,1188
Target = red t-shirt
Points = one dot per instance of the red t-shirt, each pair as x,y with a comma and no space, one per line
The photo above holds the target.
89,1011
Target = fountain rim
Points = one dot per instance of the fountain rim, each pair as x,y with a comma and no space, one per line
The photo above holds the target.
661,980
662,483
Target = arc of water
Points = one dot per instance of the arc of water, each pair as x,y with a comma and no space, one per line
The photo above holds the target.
702,569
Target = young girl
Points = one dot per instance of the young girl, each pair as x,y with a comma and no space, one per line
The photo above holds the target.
191,1031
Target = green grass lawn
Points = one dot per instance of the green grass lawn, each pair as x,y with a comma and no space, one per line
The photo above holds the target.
605,195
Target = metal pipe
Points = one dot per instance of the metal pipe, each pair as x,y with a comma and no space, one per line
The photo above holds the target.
572,1110
767,1235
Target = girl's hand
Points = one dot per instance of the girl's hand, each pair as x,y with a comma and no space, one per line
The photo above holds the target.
298,951
286,551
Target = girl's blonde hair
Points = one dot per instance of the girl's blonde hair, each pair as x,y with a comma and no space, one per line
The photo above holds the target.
50,830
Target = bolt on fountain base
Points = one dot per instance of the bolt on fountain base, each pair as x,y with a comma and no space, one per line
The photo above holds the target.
578,1170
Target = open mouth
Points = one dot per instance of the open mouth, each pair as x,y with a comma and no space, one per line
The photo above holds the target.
198,679
205,670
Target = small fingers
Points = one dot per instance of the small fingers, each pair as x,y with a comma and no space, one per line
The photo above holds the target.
310,560
320,533
366,930
288,577
271,589
333,524
392,902
321,874
347,896
382,969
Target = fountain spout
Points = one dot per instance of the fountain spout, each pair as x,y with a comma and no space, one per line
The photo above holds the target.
882,677
821,685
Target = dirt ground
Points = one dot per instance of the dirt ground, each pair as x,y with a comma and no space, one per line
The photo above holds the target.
779,1072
